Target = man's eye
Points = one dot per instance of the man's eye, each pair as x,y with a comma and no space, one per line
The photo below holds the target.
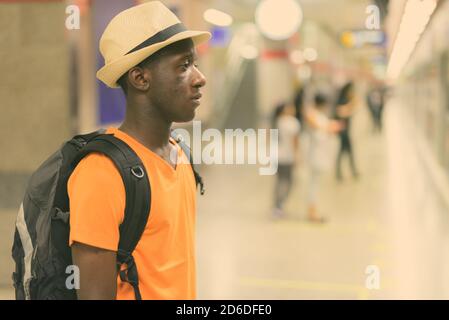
186,64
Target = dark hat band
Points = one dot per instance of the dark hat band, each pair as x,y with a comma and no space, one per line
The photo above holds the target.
161,36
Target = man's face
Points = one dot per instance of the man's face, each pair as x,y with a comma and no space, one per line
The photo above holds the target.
176,82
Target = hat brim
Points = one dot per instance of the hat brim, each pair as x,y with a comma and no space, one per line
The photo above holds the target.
112,71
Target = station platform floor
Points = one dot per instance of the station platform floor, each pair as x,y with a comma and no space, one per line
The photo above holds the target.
391,224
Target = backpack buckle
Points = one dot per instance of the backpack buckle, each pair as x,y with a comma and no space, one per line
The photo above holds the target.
138,172
129,274
58,214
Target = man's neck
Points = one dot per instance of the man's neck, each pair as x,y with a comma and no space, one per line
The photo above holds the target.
149,128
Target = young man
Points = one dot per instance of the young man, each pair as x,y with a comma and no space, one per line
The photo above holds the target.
151,55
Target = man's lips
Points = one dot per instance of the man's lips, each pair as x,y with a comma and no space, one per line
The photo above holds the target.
197,96
196,99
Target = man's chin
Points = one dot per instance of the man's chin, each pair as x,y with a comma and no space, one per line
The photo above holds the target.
186,118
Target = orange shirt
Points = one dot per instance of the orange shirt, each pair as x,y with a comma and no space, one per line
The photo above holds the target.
165,255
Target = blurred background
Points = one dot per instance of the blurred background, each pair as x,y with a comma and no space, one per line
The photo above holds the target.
386,230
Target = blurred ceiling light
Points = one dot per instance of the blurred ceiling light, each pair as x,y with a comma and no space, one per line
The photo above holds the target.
218,18
360,38
296,57
310,54
278,19
249,52
414,20
348,39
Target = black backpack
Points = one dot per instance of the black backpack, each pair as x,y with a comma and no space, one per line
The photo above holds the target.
40,250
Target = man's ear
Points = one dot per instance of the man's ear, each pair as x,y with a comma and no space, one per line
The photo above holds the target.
139,78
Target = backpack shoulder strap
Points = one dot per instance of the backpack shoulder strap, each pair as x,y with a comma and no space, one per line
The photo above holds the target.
138,199
84,138
198,179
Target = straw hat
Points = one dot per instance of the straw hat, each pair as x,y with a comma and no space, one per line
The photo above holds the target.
135,34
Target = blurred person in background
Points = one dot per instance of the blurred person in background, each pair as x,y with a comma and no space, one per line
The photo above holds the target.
320,129
299,104
375,102
284,119
344,110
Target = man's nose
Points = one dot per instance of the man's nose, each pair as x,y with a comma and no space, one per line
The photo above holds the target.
199,80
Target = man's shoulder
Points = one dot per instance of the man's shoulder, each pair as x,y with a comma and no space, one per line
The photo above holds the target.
95,168
96,161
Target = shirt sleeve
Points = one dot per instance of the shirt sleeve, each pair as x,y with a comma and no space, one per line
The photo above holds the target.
97,202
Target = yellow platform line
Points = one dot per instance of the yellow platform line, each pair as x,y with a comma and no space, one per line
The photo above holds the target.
367,228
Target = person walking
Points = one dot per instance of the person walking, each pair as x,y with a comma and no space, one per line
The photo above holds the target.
375,102
344,111
320,129
288,126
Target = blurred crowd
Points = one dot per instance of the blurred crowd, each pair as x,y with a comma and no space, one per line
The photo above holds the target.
315,117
